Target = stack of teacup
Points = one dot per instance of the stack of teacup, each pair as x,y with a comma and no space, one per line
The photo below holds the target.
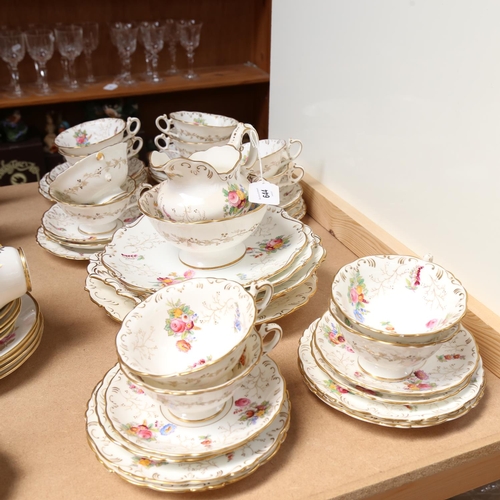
95,191
392,341
21,323
194,389
188,132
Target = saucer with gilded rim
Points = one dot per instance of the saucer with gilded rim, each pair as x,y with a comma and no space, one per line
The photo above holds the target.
140,258
448,368
406,414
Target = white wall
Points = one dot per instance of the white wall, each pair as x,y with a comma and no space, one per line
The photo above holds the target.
397,103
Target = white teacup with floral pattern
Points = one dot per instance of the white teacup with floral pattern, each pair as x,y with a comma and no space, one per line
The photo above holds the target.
197,127
186,148
190,333
93,179
205,401
385,360
399,294
15,279
203,244
90,137
100,218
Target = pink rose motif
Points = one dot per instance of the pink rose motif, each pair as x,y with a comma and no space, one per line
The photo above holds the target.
177,325
189,325
233,198
331,336
341,339
274,244
189,274
424,386
143,432
421,375
431,324
354,295
342,390
349,349
242,402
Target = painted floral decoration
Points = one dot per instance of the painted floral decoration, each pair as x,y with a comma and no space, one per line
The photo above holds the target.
148,462
174,278
134,388
201,362
448,357
413,281
237,321
7,340
82,138
387,326
268,247
419,381
251,411
357,295
132,256
236,199
148,432
334,387
200,121
181,322
334,337
206,441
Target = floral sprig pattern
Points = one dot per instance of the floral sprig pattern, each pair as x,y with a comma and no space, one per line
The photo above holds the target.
174,278
268,247
82,138
236,199
413,281
418,381
201,362
332,386
181,323
148,432
237,320
449,357
334,337
206,441
357,295
148,462
251,411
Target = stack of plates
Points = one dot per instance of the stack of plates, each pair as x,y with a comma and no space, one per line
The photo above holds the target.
138,261
292,201
136,437
21,329
59,233
447,386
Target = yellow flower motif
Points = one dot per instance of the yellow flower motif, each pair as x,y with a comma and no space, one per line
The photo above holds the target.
260,413
178,313
240,194
145,462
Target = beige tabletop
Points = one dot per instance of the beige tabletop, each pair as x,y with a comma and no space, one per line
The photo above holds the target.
43,448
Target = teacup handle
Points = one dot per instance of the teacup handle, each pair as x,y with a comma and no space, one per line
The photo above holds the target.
131,130
267,288
236,140
162,137
295,175
291,142
270,329
167,120
137,143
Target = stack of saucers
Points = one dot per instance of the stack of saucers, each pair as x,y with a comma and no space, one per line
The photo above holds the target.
187,132
194,403
21,322
391,349
97,153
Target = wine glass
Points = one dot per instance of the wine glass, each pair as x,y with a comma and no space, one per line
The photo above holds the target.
40,45
172,37
189,36
12,51
124,38
69,41
90,43
152,36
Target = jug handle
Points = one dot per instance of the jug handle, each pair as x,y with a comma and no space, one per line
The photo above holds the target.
262,286
236,140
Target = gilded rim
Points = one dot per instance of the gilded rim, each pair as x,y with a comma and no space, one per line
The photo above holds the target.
76,246
221,142
194,457
131,186
66,254
11,308
353,388
25,343
27,275
383,256
396,344
464,381
27,348
244,339
73,129
200,125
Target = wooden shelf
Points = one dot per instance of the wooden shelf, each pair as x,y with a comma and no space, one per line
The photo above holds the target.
212,77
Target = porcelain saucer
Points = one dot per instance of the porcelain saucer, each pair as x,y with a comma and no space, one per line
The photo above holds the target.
297,211
131,418
183,476
141,259
448,368
404,415
289,195
60,250
118,304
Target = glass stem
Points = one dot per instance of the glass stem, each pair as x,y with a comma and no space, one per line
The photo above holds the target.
154,68
126,63
190,56
14,73
42,71
173,56
65,66
88,62
148,57
73,83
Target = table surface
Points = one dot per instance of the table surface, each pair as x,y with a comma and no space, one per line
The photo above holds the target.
43,448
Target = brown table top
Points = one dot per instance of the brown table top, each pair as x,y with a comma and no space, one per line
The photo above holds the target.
43,448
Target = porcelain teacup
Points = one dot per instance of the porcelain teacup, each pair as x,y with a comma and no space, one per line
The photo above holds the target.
94,178
190,333
100,218
290,174
92,136
15,279
186,148
206,401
